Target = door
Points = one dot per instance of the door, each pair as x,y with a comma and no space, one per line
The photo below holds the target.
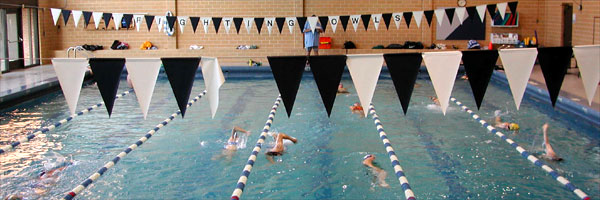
567,24
14,39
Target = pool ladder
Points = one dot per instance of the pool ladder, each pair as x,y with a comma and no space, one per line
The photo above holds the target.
75,49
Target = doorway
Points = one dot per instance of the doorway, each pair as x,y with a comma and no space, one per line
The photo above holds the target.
567,25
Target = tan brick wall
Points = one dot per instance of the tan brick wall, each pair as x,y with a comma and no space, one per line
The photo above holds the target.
582,28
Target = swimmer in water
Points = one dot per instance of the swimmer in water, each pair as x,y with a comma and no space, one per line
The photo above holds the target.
279,147
550,154
356,108
341,89
435,100
506,125
380,173
232,143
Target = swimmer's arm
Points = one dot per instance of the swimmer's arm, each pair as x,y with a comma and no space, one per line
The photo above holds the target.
545,130
237,128
270,158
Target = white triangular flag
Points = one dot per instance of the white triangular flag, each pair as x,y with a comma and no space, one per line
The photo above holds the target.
160,22
137,19
588,60
291,22
182,21
213,79
518,64
355,19
270,22
502,8
70,73
397,17
55,14
76,16
205,23
143,73
376,20
418,15
97,17
312,22
442,68
248,21
439,15
481,11
227,21
461,14
334,20
118,17
364,70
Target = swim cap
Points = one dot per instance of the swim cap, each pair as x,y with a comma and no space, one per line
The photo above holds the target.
513,126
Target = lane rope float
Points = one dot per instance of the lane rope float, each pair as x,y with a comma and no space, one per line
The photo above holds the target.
47,129
524,153
408,193
120,156
239,189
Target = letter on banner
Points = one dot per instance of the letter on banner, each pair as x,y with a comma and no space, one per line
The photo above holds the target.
160,22
439,15
355,19
589,65
97,17
481,11
418,15
181,73
70,73
287,71
328,71
55,14
76,16
205,23
312,22
118,19
227,23
107,74
182,21
442,68
137,19
248,21
502,8
213,79
143,73
518,64
270,23
460,13
397,19
334,20
364,70
291,22
376,19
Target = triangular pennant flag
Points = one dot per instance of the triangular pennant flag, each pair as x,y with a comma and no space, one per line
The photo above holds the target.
171,22
107,74
55,14
355,19
386,18
259,23
70,73
472,11
181,73
334,20
397,19
287,71
143,73
227,23
328,71
76,16
205,23
217,23
86,17
404,68
418,15
324,21
248,21
479,66
280,21
270,22
344,20
238,23
407,18
554,62
460,13
513,7
442,68
376,19
137,19
481,12
312,22
149,20
439,15
365,20
97,17
182,21
291,22
450,14
429,16
106,17
213,79
518,64
194,21
301,23
502,9
127,20
491,8
66,14
364,70
118,17
160,22
588,62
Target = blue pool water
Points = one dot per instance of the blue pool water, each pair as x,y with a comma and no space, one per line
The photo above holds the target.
443,157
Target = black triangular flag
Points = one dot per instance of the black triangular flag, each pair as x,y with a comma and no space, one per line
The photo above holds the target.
327,71
259,23
280,21
149,21
479,66
181,73
171,22
287,71
344,20
428,16
301,23
194,21
238,23
107,74
472,11
324,21
66,14
127,19
407,18
404,68
217,23
106,17
387,17
554,62
491,8
513,7
366,19
450,14
86,17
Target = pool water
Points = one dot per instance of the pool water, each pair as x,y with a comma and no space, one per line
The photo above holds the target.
443,157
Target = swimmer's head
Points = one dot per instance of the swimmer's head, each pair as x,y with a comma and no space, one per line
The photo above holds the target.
513,127
340,85
14,197
369,156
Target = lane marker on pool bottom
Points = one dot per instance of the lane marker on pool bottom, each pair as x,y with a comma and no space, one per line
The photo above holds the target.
524,153
248,168
120,156
46,129
408,193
